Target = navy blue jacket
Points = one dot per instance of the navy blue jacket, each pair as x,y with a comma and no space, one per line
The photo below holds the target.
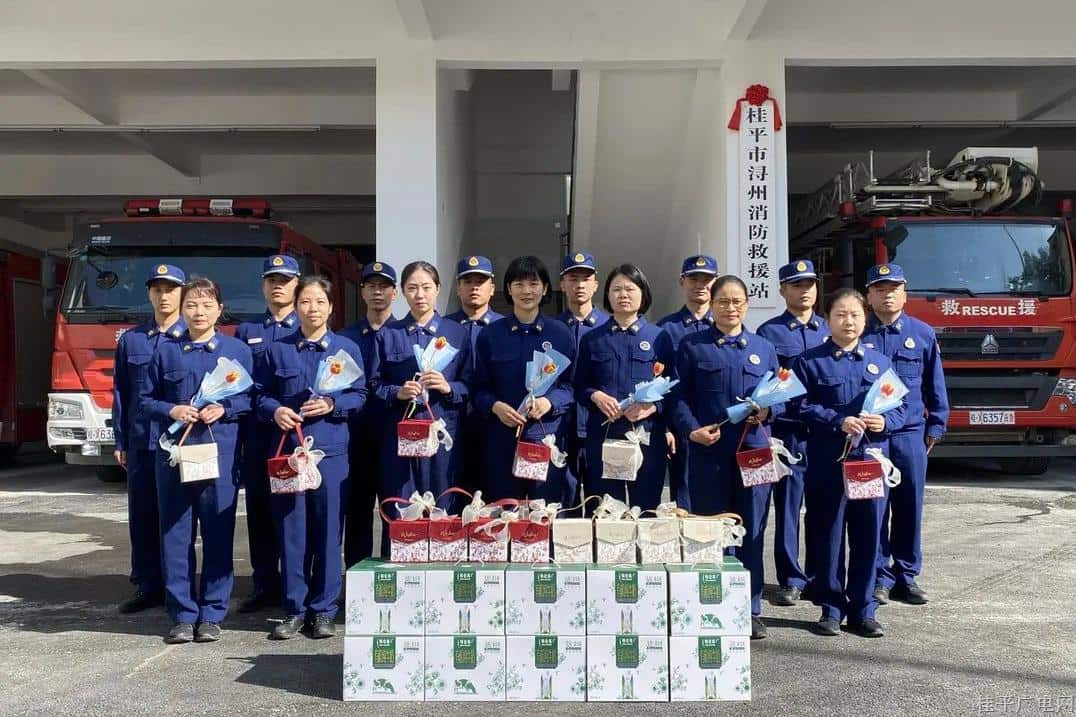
474,327
365,337
134,351
790,338
913,348
682,323
579,329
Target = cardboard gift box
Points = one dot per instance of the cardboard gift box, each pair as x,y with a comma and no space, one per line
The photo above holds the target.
659,540
546,599
385,598
488,545
465,668
615,540
384,667
409,541
627,599
529,541
573,540
531,461
546,668
448,540
465,598
864,480
416,438
709,599
758,466
627,668
710,667
705,539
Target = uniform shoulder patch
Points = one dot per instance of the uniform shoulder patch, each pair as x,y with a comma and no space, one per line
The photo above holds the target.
644,345
872,369
754,359
909,343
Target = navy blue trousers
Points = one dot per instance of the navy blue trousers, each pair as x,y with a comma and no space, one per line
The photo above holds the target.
142,521
900,552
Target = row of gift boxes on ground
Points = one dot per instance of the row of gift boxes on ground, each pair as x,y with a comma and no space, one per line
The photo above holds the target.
568,600
595,668
566,540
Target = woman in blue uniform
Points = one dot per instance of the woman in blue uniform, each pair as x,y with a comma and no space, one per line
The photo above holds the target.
837,375
175,374
716,368
310,525
613,358
503,350
397,380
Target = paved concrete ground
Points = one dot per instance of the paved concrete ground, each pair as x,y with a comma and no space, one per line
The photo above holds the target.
998,637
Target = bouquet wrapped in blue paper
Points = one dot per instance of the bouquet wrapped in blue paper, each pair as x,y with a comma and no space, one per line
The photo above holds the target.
649,391
885,394
229,378
542,372
335,373
770,391
434,357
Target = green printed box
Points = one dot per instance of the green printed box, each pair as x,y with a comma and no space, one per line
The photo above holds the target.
384,667
545,599
710,667
709,599
627,599
385,598
465,598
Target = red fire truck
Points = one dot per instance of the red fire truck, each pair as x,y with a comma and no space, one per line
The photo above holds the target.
24,282
105,294
995,284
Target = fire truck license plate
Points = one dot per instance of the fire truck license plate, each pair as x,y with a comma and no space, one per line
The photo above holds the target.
993,418
100,435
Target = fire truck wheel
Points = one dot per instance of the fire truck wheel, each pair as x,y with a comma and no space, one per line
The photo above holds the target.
1027,466
111,474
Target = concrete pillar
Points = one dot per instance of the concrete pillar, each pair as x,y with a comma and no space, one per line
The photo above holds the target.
747,64
407,164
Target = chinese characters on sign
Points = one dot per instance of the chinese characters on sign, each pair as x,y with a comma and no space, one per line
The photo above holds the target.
758,122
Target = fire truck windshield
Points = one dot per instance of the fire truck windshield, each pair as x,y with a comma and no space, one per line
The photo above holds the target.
109,283
985,257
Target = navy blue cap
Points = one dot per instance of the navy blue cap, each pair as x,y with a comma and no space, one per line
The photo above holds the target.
578,260
794,271
886,272
280,264
379,268
699,264
474,265
166,272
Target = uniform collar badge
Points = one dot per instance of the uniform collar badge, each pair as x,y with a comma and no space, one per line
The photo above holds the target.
909,343
872,369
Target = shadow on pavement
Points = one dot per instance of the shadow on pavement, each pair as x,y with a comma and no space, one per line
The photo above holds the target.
310,675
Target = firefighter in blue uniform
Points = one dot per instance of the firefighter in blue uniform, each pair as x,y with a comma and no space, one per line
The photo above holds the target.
397,380
715,368
310,524
913,348
136,443
500,387
364,447
475,286
837,375
697,275
799,328
206,508
612,359
579,283
280,274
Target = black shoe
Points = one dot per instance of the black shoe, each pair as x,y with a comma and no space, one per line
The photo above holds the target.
805,594
785,596
881,594
288,629
827,627
867,628
322,627
910,593
207,632
758,629
142,601
180,634
259,600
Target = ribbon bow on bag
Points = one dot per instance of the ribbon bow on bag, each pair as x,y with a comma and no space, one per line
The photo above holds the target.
540,512
782,457
171,448
420,505
500,526
669,510
891,474
556,456
304,461
441,431
473,510
615,509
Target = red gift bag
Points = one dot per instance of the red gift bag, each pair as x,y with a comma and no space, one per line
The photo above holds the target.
530,541
409,540
283,479
531,461
415,438
758,466
863,480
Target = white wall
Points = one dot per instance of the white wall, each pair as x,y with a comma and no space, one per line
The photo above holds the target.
455,176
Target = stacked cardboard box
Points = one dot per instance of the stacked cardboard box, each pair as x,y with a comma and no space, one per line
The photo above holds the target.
710,628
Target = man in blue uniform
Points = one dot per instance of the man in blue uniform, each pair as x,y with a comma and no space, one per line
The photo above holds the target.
697,275
475,286
913,348
364,448
136,442
579,283
280,274
798,329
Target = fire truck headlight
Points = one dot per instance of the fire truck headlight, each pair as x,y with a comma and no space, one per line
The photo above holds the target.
65,410
1066,387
